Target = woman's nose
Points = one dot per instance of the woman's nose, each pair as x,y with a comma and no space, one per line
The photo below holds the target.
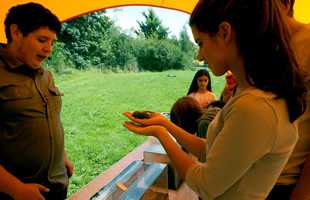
200,57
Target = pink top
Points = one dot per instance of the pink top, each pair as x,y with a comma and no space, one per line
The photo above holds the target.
204,99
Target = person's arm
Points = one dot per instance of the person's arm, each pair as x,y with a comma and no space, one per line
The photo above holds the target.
13,187
213,98
190,142
180,160
227,92
302,189
68,165
205,120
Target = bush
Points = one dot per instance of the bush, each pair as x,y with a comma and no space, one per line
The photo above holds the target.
161,55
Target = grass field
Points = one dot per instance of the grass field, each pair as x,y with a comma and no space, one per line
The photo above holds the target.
92,109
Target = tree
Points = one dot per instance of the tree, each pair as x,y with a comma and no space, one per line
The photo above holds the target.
152,27
121,50
85,39
187,46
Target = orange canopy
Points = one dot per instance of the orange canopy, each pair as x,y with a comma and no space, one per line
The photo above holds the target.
68,9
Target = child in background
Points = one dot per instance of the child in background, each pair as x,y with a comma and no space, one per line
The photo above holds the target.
231,83
230,79
200,88
187,113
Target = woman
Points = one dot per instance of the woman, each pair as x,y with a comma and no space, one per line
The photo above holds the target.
200,88
252,137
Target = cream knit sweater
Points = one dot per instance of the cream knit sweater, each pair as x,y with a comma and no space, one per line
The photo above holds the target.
247,146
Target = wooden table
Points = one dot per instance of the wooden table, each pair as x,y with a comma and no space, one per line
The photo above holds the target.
183,192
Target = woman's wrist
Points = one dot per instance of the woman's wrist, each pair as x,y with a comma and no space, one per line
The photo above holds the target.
165,123
162,134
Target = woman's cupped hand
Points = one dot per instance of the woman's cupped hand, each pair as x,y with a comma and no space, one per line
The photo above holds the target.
147,127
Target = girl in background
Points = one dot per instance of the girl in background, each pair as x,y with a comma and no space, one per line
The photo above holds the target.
200,88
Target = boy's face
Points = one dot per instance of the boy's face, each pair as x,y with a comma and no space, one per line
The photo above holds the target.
34,48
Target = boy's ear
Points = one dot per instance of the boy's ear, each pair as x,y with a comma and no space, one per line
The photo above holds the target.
15,32
225,31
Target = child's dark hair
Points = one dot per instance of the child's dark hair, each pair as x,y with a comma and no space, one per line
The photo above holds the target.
185,113
218,103
29,17
264,42
194,86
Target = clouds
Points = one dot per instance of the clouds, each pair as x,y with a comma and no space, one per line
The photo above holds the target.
126,17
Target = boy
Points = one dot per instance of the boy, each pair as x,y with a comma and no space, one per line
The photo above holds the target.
33,162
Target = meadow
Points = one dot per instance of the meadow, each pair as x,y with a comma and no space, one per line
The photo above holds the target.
93,104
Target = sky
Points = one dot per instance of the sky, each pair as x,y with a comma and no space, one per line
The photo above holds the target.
126,17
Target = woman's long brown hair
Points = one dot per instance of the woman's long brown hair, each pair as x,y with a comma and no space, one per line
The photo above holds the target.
264,42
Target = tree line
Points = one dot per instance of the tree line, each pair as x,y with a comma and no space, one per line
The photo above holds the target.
94,41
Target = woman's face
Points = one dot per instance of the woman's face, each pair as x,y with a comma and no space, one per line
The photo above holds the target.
202,82
211,51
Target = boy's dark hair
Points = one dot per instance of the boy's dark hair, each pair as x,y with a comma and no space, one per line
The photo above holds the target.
291,11
29,17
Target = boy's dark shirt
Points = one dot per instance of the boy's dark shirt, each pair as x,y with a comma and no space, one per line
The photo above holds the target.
31,133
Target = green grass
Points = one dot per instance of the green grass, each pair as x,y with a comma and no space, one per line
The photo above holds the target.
92,109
